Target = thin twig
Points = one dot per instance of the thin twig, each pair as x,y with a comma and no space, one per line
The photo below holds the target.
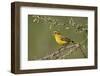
82,51
61,51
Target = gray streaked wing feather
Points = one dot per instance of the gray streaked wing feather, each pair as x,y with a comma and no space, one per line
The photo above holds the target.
65,39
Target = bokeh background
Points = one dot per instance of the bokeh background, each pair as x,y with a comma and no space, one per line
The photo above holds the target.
41,41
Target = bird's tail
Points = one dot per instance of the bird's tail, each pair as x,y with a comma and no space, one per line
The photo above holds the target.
73,42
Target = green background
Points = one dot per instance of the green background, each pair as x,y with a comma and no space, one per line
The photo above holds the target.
41,41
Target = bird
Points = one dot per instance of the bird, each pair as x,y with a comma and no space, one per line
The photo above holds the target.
62,40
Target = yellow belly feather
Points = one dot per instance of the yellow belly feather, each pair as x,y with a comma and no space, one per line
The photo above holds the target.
59,41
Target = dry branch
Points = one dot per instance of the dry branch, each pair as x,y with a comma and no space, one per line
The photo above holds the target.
60,53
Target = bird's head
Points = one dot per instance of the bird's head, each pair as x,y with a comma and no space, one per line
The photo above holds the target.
56,33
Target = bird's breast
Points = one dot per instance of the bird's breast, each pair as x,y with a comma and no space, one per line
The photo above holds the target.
59,40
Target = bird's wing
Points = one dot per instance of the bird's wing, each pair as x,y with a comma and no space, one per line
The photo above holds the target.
65,39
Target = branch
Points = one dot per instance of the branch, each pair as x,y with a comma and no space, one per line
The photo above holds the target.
61,51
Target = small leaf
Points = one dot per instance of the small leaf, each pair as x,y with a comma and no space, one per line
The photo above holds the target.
50,27
67,28
34,20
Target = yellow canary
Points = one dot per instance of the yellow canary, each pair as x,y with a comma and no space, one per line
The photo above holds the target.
60,39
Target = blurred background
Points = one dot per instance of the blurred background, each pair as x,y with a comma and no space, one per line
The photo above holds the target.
41,41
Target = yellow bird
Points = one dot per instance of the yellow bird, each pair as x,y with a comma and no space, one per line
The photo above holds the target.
61,40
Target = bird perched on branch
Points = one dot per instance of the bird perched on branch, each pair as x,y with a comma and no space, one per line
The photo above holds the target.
61,40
